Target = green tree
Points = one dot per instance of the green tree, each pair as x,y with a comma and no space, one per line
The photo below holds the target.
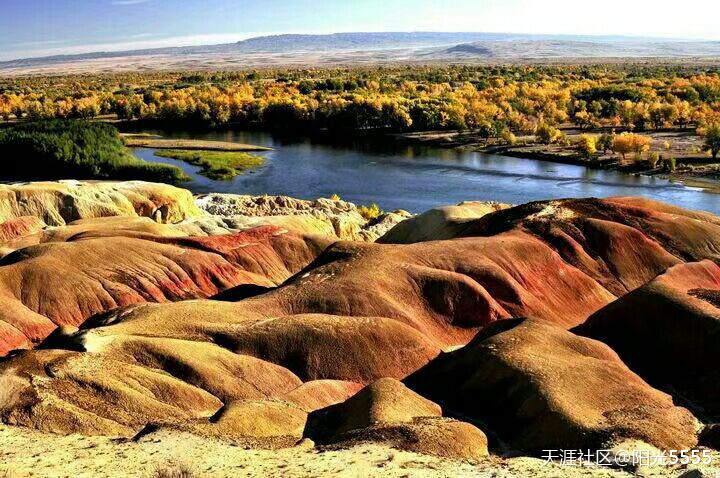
712,139
76,149
605,142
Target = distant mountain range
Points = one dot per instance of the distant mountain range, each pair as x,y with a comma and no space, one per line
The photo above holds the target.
352,41
349,48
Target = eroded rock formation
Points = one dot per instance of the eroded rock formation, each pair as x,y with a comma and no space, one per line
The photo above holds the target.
542,387
125,337
668,330
331,217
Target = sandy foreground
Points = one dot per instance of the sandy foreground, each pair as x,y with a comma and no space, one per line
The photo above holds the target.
25,453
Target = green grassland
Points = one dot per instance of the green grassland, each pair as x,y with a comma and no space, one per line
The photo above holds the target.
216,165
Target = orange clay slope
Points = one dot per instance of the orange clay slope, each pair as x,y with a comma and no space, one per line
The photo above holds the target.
354,313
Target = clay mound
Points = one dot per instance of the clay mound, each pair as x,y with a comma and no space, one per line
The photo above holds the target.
64,283
216,225
543,388
668,331
387,411
372,347
124,226
317,394
118,385
383,401
351,312
224,374
257,423
308,345
710,436
531,260
57,203
436,436
70,392
428,296
20,227
120,356
440,223
446,290
621,243
112,226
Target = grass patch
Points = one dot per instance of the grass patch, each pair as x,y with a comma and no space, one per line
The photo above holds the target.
216,165
175,471
75,149
145,140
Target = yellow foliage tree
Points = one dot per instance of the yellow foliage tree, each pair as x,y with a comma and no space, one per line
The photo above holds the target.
587,145
631,143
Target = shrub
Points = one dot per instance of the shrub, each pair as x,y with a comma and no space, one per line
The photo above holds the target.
75,149
216,165
653,159
174,471
670,164
370,212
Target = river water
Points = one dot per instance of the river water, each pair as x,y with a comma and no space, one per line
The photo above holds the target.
396,175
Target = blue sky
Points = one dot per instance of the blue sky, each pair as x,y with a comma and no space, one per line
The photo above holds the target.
42,27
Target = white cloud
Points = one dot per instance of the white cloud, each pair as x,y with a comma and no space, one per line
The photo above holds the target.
39,43
133,42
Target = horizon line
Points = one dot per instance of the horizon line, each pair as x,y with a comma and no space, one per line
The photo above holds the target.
205,40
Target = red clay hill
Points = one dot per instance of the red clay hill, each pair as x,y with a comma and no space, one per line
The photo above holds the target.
545,324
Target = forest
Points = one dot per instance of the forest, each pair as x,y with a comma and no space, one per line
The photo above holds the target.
497,103
56,149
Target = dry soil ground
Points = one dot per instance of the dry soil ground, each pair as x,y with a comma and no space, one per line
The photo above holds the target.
26,453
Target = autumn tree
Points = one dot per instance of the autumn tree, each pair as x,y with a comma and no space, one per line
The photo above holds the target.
509,137
626,143
605,142
711,134
587,145
547,134
395,116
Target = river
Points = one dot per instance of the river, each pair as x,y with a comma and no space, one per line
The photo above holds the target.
396,175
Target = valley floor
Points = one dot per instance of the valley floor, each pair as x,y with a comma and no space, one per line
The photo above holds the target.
28,453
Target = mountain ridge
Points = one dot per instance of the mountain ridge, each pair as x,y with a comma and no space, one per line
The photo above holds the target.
377,47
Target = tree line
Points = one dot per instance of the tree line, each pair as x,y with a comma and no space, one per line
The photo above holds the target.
497,102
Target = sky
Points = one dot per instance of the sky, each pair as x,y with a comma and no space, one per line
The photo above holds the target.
30,28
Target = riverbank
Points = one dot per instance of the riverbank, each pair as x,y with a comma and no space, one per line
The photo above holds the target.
217,160
366,169
133,140
692,168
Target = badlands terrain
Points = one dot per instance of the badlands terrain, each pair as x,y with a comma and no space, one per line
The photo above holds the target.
145,332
